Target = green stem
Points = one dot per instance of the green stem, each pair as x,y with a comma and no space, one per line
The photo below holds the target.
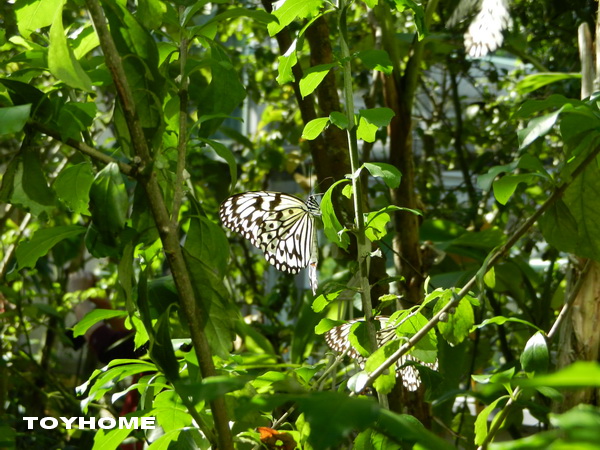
363,245
181,144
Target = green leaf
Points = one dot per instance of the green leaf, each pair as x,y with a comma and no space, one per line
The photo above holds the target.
151,12
390,174
286,63
161,348
30,188
213,301
505,187
529,162
419,14
206,241
532,82
375,225
339,120
358,338
224,152
331,225
109,201
370,439
112,439
559,227
532,107
75,118
36,14
170,411
73,186
406,428
291,10
95,316
313,77
458,326
42,241
387,380
501,320
323,300
536,357
326,324
481,429
581,199
371,120
314,128
257,15
223,95
212,387
377,60
580,374
61,60
13,118
426,349
537,127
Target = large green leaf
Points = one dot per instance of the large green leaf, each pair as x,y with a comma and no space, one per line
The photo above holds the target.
42,241
212,298
222,96
313,77
314,128
30,188
377,60
581,199
61,60
559,227
390,174
36,14
578,428
535,81
225,153
387,380
73,186
459,322
109,201
291,10
580,374
95,316
207,242
14,118
371,120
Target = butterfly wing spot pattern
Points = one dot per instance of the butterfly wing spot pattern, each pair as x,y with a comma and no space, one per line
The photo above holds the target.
280,225
337,339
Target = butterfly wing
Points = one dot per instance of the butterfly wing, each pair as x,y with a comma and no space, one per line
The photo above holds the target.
337,339
280,225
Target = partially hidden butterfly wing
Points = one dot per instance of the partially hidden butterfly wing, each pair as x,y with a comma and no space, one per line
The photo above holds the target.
280,225
337,339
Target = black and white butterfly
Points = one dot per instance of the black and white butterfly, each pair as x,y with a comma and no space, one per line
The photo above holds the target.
337,339
280,225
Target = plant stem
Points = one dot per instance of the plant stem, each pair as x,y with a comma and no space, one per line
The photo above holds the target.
168,234
183,104
363,245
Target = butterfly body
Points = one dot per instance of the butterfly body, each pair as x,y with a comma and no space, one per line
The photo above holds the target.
282,226
337,339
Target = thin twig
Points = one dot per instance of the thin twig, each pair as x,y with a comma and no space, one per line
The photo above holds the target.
182,142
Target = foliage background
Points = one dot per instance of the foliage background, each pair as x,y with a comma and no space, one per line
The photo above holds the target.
121,172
